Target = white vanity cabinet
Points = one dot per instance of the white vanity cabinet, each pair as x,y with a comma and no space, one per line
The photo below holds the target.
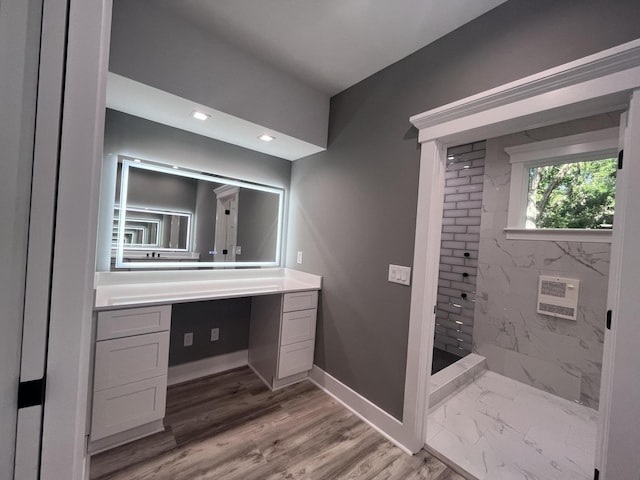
282,336
130,374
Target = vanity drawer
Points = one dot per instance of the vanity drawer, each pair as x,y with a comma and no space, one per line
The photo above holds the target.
126,360
121,408
295,358
133,321
300,301
298,326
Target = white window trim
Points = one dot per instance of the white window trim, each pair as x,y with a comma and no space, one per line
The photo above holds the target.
585,146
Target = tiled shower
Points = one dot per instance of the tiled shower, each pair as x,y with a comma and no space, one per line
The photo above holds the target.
464,178
529,409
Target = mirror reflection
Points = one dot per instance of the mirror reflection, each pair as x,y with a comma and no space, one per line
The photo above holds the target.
146,228
175,218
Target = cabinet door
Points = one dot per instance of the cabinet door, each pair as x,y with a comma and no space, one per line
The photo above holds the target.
133,321
121,408
298,326
126,360
295,358
300,301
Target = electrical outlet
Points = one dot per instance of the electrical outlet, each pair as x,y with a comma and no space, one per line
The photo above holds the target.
188,339
215,334
299,258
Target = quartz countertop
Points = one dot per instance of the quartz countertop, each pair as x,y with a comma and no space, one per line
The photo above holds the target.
136,289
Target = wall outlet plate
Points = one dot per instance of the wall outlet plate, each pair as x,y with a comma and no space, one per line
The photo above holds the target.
215,334
400,274
299,258
188,339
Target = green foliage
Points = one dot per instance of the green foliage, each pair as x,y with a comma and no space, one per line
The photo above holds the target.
574,195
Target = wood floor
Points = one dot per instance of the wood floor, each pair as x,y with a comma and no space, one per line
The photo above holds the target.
230,426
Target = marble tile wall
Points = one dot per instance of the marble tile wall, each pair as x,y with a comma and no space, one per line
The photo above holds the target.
464,179
563,357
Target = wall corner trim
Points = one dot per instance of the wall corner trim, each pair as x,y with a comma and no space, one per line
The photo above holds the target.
506,101
388,426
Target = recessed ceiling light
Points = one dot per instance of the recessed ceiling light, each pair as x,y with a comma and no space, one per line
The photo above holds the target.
199,115
136,160
266,137
176,167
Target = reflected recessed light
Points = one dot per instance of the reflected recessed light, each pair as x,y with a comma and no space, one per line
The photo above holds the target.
266,138
199,115
451,157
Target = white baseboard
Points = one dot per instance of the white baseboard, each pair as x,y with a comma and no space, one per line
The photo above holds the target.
391,428
103,444
207,366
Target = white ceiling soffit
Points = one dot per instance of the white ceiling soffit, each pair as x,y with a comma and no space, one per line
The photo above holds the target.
135,98
330,44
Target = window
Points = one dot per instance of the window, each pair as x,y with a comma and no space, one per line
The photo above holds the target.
564,189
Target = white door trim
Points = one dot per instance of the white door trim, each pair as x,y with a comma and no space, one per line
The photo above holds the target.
424,290
81,137
619,427
595,84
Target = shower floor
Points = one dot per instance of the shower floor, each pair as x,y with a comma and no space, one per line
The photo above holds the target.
496,428
442,360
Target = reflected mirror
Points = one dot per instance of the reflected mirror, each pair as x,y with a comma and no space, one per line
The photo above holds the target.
168,217
146,228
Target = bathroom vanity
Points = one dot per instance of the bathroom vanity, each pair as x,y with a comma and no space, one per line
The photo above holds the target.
132,329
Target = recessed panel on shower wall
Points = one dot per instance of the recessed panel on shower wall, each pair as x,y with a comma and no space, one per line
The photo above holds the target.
558,297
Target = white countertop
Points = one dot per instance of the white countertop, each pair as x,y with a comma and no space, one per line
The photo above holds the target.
135,289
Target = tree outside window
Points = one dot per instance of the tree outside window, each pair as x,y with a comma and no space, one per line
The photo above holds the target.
572,195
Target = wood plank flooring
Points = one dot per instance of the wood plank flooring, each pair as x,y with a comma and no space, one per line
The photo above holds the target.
230,426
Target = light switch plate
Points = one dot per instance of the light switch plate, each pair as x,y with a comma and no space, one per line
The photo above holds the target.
400,274
188,339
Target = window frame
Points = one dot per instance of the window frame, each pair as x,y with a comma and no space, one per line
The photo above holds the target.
594,145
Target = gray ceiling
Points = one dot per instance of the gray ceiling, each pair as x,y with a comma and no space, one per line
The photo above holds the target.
329,44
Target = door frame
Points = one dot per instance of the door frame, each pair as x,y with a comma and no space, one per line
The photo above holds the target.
65,422
603,82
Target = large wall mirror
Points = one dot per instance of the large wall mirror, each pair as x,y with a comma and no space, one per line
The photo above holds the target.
171,217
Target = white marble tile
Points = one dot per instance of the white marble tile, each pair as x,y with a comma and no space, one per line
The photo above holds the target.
454,377
547,376
497,428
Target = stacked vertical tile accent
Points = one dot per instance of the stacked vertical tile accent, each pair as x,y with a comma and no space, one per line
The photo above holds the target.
462,210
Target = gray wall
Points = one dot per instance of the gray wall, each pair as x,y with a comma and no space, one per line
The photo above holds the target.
140,138
206,205
257,225
159,190
157,48
230,316
560,356
353,207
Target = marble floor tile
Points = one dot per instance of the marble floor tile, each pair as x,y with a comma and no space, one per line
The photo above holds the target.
496,428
